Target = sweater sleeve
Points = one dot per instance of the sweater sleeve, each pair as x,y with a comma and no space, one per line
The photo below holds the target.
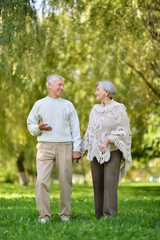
33,121
75,130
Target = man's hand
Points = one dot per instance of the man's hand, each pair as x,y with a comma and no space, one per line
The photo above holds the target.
44,126
76,156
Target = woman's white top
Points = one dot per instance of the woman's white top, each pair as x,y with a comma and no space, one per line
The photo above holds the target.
109,121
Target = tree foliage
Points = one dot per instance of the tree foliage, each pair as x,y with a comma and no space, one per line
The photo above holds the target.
84,41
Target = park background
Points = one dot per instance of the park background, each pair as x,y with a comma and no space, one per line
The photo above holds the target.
84,41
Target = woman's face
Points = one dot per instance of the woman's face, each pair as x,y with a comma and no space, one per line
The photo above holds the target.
100,93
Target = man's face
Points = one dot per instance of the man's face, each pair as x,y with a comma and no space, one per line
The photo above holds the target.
56,88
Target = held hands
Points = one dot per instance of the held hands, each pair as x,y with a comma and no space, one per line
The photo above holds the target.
44,126
104,146
76,156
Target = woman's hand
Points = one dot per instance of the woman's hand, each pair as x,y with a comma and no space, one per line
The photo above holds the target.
82,155
104,146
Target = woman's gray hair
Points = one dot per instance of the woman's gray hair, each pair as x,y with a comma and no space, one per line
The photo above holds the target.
52,78
109,87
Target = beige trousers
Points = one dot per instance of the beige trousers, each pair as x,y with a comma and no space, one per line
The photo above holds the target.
47,154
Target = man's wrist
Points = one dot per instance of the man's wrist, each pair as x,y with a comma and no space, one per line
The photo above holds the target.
76,155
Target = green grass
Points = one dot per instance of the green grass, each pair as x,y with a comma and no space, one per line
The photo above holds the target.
138,214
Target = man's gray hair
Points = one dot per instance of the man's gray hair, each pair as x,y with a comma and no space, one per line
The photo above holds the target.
52,78
109,87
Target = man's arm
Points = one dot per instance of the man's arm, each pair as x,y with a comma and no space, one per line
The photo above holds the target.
75,132
35,122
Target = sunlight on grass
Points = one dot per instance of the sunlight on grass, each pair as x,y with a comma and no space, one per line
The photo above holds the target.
138,214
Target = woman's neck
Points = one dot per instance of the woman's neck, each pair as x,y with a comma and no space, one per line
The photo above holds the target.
105,101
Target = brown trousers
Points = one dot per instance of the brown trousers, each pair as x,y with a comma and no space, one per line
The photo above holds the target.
105,183
47,153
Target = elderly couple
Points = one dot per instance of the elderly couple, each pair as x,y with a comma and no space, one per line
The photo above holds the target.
107,142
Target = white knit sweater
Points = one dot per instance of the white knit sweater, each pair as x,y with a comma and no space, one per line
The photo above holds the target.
61,115
108,122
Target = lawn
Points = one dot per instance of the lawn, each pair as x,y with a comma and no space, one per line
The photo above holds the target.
138,215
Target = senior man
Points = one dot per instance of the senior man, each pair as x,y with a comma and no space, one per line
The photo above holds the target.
55,122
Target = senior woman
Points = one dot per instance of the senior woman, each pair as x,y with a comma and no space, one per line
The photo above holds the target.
108,142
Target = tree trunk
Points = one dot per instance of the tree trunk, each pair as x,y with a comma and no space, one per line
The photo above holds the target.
20,165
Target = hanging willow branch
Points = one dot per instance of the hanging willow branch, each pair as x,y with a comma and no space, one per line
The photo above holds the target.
154,90
155,70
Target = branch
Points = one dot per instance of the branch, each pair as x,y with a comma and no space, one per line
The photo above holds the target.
154,90
155,70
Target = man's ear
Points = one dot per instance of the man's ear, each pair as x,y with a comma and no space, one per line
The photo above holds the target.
49,84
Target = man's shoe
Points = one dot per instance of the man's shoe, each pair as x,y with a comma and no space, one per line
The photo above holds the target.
65,219
43,220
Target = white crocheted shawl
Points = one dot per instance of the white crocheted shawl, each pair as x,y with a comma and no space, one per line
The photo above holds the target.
108,122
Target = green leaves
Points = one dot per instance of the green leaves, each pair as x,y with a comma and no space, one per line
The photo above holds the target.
85,41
